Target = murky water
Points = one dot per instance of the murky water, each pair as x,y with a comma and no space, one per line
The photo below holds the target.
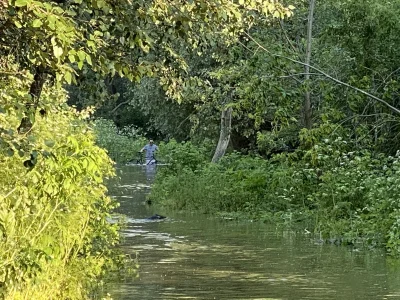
189,256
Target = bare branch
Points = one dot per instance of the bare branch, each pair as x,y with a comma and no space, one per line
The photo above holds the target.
119,105
287,38
394,109
300,74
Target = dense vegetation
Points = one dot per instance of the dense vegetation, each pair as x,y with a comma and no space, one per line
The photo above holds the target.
311,143
348,197
53,204
309,112
335,173
58,60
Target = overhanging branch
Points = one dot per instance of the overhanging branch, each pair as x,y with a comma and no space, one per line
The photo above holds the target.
394,109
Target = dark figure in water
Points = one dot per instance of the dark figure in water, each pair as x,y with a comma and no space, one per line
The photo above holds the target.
156,217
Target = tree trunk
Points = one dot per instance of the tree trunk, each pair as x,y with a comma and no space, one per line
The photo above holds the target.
34,91
225,134
307,101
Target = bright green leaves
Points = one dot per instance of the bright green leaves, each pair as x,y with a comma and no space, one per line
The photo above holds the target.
18,24
81,55
68,77
100,4
71,57
58,51
52,22
7,222
21,3
36,207
104,37
37,23
45,30
48,194
89,59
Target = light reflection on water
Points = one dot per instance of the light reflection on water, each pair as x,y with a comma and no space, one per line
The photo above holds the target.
188,256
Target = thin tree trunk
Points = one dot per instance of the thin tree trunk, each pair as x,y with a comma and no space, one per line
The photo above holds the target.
34,91
225,134
307,100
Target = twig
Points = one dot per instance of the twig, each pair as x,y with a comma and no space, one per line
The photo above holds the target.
9,193
287,38
300,74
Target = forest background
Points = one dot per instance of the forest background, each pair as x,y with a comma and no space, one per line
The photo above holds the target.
278,112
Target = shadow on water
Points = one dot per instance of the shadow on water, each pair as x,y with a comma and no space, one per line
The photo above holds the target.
188,256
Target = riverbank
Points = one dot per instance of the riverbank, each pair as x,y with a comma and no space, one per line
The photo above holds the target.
190,255
343,196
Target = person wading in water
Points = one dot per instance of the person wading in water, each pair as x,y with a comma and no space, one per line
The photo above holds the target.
150,148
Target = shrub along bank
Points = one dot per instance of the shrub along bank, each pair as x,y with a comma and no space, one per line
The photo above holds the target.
121,145
55,241
347,195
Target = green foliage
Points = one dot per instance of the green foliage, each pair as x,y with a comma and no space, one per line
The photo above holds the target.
338,193
181,156
150,108
121,145
180,43
55,240
236,184
380,216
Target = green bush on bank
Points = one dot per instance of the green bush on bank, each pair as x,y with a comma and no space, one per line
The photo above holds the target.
351,195
121,145
179,156
236,184
55,241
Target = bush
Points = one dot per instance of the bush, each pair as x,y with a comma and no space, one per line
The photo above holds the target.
179,156
236,184
55,241
121,145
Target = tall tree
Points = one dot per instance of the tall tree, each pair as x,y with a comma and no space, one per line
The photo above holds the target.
307,101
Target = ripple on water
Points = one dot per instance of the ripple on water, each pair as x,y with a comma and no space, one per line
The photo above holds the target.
134,186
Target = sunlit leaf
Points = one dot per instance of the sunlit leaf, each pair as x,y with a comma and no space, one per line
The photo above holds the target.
37,23
21,3
18,24
68,77
89,59
58,51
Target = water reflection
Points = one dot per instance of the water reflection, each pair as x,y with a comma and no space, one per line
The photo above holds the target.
189,256
150,172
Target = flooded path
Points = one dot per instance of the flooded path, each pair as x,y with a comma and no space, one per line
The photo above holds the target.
189,256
